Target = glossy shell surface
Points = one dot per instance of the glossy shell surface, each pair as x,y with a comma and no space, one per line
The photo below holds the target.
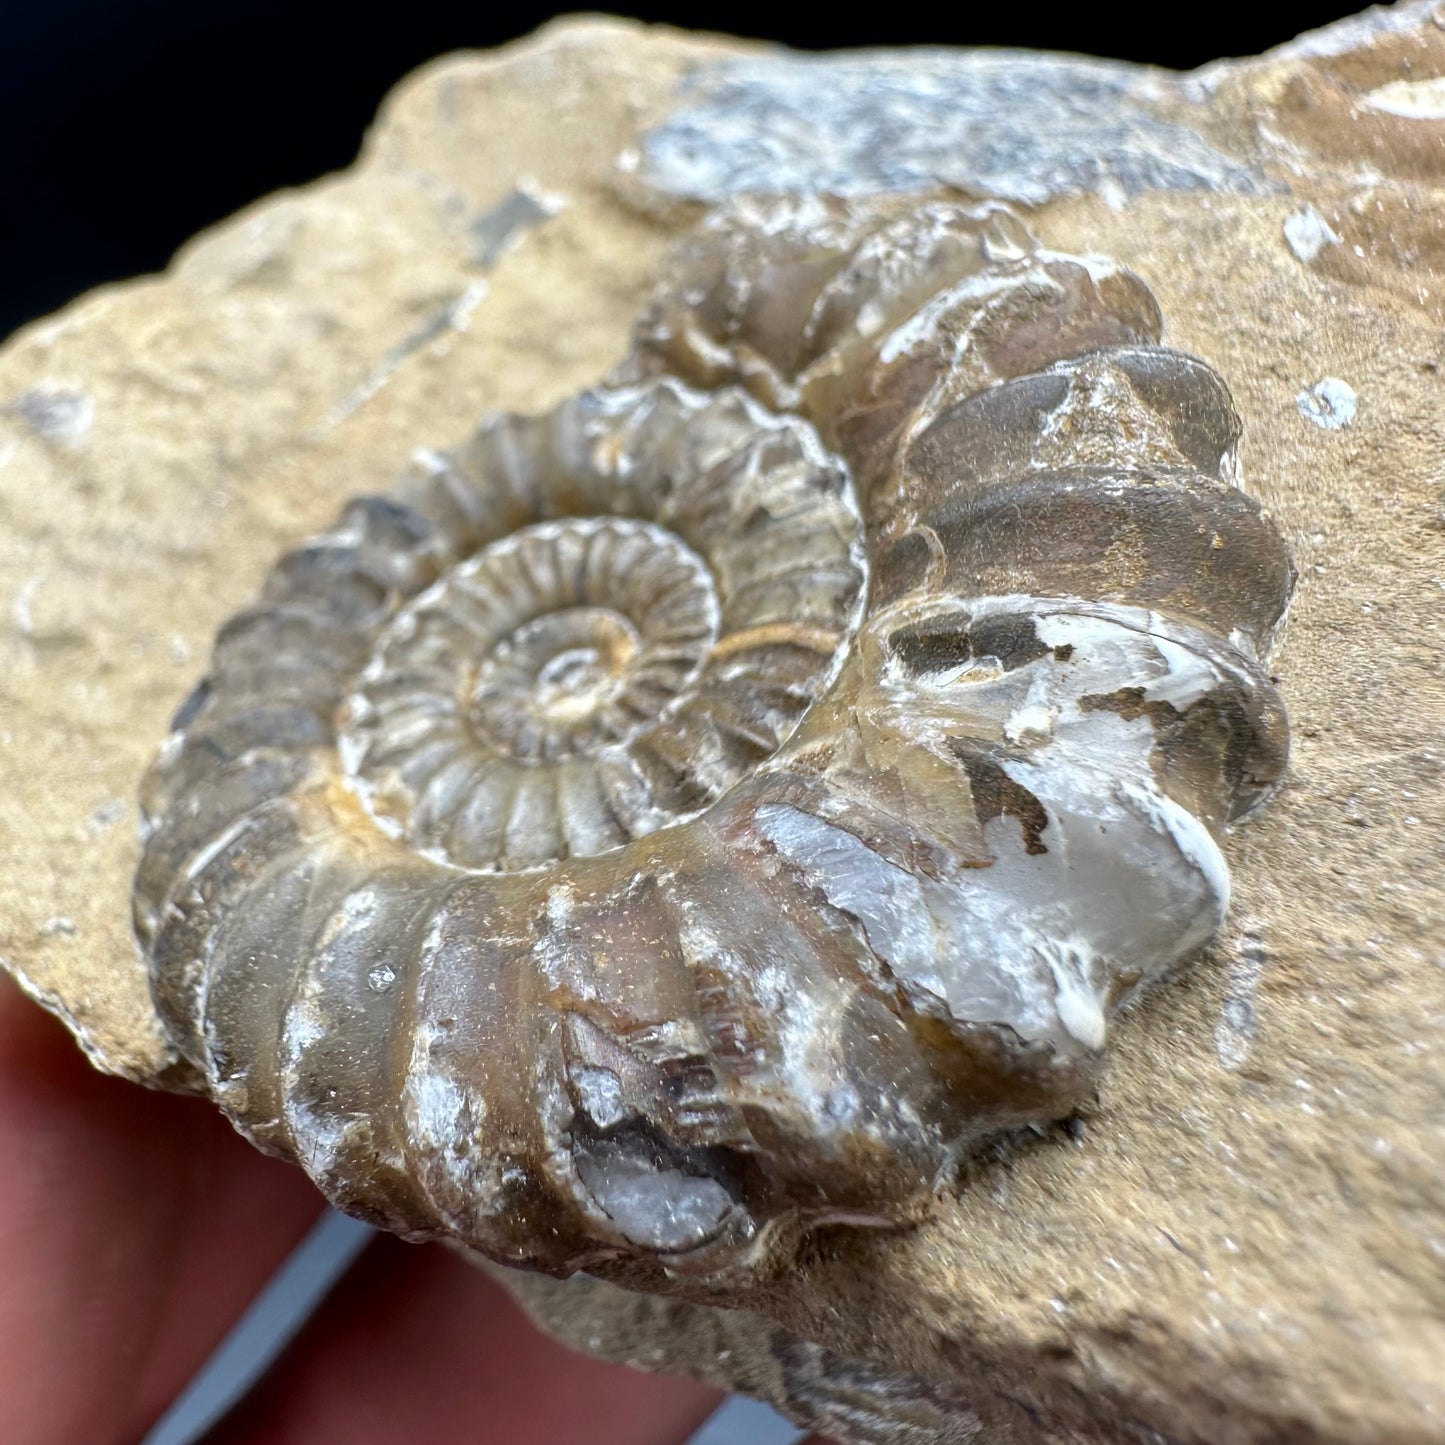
713,807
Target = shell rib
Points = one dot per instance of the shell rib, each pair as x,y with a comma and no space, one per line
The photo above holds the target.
713,807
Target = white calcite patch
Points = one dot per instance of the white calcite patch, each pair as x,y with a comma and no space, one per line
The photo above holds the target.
1120,880
58,414
654,1206
599,1091
1078,997
1330,403
1410,99
1307,233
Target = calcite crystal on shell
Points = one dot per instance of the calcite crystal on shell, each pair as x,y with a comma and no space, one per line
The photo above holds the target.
1256,1189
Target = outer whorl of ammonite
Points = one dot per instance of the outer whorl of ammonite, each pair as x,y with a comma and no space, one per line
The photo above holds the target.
623,848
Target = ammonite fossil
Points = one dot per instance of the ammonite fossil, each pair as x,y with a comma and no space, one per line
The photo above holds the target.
713,807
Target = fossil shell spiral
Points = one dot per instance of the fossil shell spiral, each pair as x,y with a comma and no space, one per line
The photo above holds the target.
712,807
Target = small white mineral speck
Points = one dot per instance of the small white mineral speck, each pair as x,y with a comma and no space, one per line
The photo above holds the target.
1308,233
1329,403
56,414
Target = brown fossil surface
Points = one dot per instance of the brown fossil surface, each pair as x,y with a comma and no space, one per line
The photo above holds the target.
646,834
1242,1238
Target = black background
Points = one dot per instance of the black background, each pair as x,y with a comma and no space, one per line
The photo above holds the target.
127,125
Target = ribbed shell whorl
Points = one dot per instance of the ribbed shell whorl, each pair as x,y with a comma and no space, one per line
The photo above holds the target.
581,680
713,806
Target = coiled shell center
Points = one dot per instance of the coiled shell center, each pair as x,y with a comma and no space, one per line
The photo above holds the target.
573,635
588,678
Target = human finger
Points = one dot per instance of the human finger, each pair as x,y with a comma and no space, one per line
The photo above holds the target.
416,1344
134,1228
